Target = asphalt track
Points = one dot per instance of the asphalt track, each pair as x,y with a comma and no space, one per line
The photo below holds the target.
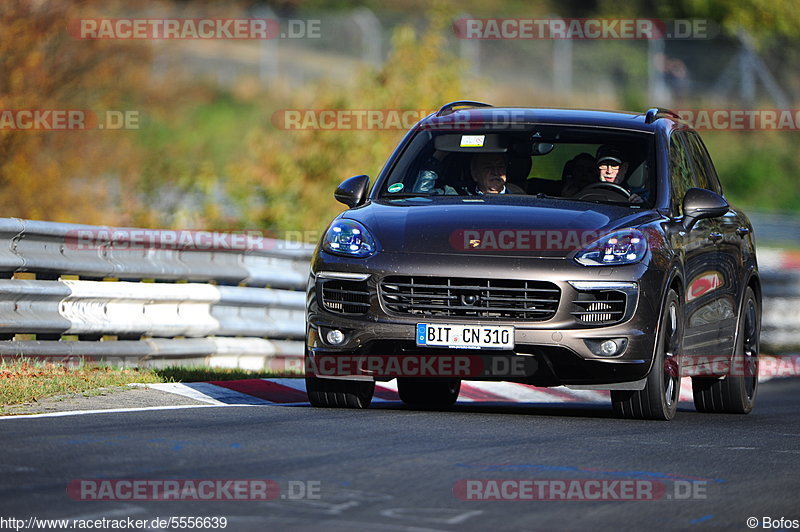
394,468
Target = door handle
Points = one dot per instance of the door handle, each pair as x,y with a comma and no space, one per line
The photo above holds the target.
742,231
715,236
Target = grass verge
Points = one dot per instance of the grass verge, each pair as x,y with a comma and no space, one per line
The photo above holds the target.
24,380
27,380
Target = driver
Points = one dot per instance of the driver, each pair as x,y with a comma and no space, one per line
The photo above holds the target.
611,168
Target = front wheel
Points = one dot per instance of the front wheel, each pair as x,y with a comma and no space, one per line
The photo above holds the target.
735,393
337,393
659,398
429,393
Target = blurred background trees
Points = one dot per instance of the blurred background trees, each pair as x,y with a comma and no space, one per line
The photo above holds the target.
77,176
208,154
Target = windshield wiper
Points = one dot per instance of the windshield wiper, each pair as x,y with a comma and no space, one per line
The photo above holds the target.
605,202
546,196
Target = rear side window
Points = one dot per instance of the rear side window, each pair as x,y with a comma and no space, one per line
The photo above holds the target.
706,174
680,171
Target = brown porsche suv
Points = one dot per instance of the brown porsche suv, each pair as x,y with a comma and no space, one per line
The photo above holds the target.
591,249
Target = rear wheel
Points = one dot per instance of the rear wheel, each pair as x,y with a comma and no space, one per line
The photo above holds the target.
659,398
337,393
430,393
735,393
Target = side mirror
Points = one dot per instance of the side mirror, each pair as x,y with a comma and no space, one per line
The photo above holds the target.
701,203
353,191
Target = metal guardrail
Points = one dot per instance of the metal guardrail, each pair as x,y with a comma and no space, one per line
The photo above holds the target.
780,282
152,297
52,249
148,296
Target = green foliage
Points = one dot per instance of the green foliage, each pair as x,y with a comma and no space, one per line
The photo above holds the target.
182,180
764,19
757,169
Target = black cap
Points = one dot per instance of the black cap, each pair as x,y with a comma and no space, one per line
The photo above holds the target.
605,159
609,152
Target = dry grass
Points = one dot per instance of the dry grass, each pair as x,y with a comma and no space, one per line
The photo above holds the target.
26,380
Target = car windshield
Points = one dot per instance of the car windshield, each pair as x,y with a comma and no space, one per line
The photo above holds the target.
571,163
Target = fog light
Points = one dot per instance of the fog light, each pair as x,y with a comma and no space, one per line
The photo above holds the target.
335,337
609,348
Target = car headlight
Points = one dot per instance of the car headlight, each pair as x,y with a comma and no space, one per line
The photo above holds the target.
614,249
348,238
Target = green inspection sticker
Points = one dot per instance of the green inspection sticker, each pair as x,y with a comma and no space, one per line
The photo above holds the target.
397,187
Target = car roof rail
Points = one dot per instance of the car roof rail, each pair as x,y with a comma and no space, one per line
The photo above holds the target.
658,112
450,108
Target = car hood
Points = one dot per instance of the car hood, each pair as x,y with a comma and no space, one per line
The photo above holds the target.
524,226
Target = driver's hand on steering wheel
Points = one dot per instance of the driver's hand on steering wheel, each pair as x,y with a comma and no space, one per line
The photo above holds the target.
635,198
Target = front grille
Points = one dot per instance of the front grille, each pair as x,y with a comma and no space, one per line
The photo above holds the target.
464,297
599,307
345,297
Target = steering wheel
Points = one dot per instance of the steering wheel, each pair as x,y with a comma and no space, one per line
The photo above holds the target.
603,190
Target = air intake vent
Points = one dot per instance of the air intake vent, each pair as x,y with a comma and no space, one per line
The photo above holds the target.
345,297
601,307
465,297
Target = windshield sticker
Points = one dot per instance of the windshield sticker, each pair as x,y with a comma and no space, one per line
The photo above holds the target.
472,141
397,187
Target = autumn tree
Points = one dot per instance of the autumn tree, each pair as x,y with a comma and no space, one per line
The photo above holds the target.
295,172
74,175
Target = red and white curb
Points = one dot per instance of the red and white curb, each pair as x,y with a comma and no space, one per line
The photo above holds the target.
293,392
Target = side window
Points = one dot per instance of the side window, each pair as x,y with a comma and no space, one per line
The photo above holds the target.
700,173
680,171
703,160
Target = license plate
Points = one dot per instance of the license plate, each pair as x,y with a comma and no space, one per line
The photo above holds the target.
465,336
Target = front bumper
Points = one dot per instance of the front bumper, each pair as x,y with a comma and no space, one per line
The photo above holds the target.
557,351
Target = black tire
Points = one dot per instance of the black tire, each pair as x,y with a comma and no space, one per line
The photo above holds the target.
337,393
736,392
428,393
659,398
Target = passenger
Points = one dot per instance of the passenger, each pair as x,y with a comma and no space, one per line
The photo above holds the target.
490,173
